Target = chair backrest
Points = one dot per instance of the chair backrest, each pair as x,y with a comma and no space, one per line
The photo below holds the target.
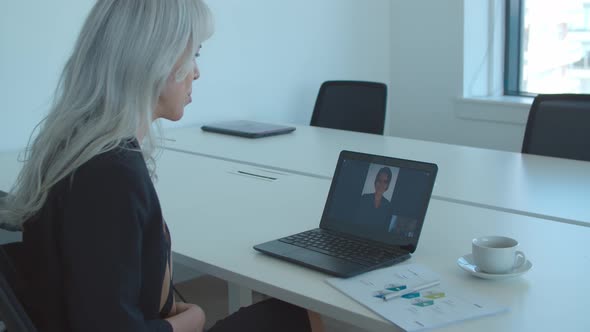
351,105
12,312
559,126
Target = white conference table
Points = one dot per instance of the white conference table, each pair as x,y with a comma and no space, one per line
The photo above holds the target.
216,215
549,188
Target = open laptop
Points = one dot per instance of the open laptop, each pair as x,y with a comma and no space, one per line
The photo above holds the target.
246,128
372,218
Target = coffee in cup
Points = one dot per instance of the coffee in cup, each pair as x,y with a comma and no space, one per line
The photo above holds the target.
496,254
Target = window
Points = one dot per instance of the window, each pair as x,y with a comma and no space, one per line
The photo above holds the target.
547,47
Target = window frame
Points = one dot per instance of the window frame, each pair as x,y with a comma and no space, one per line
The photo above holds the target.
513,48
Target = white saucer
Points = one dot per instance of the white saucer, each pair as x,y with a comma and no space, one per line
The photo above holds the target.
466,263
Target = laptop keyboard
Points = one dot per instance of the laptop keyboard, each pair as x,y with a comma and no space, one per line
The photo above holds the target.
351,250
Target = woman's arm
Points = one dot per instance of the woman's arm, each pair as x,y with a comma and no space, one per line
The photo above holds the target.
187,318
102,242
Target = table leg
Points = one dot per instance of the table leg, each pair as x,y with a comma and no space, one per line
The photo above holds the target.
238,296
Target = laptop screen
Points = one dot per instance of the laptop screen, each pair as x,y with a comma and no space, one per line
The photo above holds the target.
379,198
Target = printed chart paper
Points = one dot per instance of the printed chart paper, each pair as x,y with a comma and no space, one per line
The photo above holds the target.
414,311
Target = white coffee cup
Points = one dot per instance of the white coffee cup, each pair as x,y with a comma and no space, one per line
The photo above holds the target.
496,254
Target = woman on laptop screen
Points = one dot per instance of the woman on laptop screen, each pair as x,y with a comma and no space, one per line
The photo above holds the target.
382,181
96,252
375,208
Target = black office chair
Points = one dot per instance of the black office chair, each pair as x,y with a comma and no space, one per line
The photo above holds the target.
351,105
12,312
559,126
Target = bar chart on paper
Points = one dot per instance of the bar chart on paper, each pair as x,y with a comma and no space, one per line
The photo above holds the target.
413,297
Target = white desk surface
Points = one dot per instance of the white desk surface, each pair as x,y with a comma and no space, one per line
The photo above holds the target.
216,216
550,188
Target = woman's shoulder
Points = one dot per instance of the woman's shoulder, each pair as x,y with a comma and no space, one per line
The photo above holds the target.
125,158
117,178
123,154
121,167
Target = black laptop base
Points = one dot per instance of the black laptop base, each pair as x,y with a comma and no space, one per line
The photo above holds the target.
324,261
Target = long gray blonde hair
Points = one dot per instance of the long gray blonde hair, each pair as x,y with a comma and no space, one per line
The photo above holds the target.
108,91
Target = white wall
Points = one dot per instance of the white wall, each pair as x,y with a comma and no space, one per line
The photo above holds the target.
35,38
266,60
427,80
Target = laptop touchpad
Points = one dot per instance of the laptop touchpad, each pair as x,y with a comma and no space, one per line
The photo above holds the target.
323,262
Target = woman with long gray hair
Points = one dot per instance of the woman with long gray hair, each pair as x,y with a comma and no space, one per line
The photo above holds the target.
96,250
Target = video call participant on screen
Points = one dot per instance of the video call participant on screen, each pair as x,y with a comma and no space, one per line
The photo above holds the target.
374,210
